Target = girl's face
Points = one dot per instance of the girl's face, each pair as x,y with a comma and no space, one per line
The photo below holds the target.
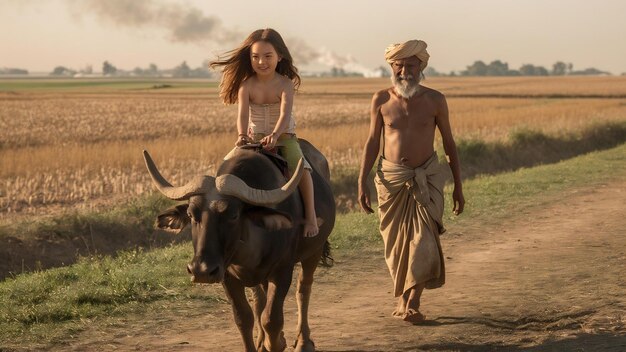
264,58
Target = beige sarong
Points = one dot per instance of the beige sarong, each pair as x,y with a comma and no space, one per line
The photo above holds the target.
410,206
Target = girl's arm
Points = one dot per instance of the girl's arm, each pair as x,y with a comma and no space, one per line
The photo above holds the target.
243,97
286,106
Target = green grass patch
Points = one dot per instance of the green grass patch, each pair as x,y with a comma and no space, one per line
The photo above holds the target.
137,214
527,148
50,302
492,198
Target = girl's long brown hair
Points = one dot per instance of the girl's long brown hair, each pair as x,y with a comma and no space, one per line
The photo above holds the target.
237,65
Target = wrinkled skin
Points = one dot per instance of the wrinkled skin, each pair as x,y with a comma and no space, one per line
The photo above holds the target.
244,245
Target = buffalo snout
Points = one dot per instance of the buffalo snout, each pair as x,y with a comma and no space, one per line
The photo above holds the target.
205,273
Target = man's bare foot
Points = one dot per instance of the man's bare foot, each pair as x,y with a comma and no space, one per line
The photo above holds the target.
414,317
401,308
311,229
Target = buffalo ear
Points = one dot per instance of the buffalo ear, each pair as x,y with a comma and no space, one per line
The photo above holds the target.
173,219
270,219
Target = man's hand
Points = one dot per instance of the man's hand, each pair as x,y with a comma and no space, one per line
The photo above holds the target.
364,199
458,201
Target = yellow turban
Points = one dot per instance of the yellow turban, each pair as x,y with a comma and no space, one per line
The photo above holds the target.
406,50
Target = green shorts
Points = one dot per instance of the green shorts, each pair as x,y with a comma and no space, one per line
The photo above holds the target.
288,148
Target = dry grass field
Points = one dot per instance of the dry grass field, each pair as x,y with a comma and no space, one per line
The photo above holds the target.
69,144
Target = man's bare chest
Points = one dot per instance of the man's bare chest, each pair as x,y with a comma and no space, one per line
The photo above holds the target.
408,116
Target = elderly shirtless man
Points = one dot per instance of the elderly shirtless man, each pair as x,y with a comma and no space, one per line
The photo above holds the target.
409,178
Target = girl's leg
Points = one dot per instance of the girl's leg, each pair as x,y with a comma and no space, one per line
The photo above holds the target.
310,218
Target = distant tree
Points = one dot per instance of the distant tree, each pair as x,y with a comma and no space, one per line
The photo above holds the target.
108,69
541,71
153,69
527,70
431,72
138,71
495,68
559,68
182,70
62,71
498,68
13,71
591,71
532,70
478,68
570,68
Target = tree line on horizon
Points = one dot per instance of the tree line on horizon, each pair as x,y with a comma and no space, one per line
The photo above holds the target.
499,68
478,68
109,70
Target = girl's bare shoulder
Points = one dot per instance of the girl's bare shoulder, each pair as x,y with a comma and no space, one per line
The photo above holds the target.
247,82
285,83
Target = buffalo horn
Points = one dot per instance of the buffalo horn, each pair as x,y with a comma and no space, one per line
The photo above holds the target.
199,185
233,186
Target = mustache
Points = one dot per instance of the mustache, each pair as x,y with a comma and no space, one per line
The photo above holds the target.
405,78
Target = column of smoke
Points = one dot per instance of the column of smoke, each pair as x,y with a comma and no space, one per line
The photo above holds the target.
188,24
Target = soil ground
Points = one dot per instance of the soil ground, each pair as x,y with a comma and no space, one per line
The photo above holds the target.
550,279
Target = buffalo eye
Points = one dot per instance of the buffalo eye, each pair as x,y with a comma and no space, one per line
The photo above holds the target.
233,216
194,212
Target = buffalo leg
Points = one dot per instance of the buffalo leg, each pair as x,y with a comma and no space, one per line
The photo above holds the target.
259,298
272,318
241,310
303,295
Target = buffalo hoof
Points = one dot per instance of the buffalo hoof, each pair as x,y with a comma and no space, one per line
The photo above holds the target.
304,346
281,345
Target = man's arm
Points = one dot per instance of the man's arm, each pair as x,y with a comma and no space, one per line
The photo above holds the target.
370,151
449,146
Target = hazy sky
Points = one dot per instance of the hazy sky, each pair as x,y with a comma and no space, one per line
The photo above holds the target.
40,34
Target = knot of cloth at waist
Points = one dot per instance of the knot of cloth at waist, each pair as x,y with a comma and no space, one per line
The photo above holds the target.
416,180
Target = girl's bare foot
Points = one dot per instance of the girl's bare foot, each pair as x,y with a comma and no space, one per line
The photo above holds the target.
311,229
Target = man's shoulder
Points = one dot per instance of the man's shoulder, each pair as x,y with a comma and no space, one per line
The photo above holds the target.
383,94
432,93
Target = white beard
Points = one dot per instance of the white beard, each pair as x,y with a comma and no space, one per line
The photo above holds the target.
407,86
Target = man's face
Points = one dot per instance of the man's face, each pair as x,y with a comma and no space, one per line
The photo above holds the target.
407,69
406,76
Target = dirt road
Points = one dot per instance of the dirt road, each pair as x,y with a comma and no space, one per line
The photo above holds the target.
549,280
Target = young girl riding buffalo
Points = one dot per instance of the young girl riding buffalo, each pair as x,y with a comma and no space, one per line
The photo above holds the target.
260,76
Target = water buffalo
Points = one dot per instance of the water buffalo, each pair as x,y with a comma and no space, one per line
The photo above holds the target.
247,231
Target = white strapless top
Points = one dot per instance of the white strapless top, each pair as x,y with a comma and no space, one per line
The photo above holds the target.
264,117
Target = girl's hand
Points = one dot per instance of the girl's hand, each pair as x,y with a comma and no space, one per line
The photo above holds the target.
269,141
242,140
